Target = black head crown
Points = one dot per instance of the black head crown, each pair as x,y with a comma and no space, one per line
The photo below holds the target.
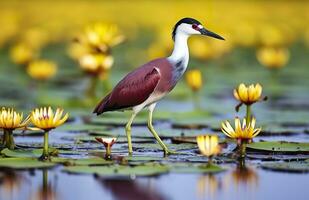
197,26
186,20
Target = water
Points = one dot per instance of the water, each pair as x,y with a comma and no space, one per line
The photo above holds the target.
229,185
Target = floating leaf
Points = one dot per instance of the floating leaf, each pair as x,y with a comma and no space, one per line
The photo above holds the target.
195,168
19,153
86,161
284,147
175,147
117,170
24,163
297,167
73,127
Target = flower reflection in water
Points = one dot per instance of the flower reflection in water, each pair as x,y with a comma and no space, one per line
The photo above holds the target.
207,186
243,176
125,189
45,191
10,183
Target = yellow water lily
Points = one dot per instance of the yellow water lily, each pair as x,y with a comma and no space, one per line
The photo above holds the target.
248,94
9,121
46,119
273,58
194,79
22,54
245,131
42,69
96,64
208,145
103,35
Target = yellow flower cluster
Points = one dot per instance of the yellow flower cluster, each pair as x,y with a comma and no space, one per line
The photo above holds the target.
43,118
261,27
92,48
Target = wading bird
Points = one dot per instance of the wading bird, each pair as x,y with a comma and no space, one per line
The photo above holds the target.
146,85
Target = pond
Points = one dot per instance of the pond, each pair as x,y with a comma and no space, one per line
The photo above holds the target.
273,165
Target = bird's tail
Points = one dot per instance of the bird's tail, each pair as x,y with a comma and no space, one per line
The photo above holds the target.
101,107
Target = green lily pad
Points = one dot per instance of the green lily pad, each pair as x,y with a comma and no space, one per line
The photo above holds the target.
119,139
277,157
143,158
117,170
24,163
284,147
39,145
145,133
195,168
83,162
19,153
69,127
175,147
297,167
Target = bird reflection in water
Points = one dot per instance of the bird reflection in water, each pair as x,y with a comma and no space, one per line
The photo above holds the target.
207,186
45,191
126,189
10,183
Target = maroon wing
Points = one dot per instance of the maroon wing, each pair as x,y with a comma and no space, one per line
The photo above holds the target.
132,90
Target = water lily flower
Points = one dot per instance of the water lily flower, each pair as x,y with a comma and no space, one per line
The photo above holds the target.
208,146
42,69
46,119
9,121
108,143
273,58
243,133
248,95
22,54
103,36
194,79
96,64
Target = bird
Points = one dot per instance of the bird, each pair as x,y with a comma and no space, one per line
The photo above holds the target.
146,85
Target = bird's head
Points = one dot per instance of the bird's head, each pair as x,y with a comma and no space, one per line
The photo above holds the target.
189,26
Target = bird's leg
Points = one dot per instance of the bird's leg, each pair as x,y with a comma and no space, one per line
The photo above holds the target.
154,133
128,132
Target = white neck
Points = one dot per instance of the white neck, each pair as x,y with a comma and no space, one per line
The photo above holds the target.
181,51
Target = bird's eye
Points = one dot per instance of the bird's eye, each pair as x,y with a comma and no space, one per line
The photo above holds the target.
194,26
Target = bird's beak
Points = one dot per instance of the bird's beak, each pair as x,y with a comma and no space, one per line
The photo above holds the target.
210,34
